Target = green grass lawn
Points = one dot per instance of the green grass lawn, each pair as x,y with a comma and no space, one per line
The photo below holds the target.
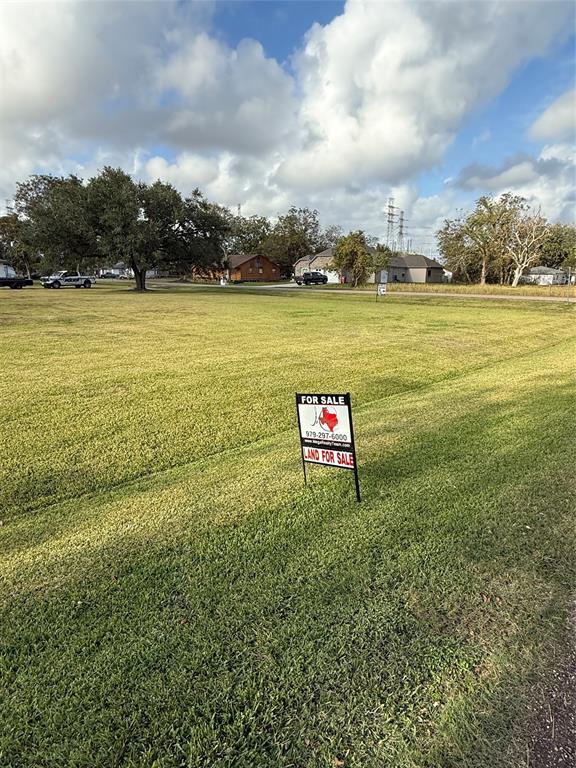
172,595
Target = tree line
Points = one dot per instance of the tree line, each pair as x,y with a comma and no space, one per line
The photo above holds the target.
502,238
65,222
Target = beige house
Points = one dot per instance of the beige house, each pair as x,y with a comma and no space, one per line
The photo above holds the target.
414,268
320,262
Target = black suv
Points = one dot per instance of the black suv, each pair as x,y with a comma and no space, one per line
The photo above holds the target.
311,278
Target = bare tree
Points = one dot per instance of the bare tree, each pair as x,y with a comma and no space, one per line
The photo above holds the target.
526,239
489,227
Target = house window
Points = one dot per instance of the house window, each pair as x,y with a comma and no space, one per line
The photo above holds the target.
249,269
429,273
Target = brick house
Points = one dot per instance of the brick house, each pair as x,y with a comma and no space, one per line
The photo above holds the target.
251,266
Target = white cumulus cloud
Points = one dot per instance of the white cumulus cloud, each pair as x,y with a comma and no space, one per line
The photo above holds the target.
370,100
547,181
558,122
236,99
386,85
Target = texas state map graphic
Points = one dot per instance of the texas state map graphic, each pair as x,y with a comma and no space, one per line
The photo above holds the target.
328,419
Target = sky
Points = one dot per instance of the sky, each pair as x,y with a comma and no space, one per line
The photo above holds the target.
337,106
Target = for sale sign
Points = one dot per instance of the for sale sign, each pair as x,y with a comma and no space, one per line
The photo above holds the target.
325,421
326,431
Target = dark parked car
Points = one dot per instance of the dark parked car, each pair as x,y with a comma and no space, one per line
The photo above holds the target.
311,278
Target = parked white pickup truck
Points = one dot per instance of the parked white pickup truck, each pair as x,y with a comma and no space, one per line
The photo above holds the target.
64,278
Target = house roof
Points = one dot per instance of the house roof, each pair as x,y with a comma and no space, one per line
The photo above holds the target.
545,271
400,261
320,259
303,260
414,261
326,254
236,259
324,257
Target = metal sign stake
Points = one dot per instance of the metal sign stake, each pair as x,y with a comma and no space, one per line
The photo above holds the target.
301,451
356,478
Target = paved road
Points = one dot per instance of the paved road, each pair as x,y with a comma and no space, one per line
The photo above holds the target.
344,292
506,297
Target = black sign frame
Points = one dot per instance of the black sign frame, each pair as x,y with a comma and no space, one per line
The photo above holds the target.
345,447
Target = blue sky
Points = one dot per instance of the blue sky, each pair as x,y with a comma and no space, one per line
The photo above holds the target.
494,132
499,129
332,105
279,26
533,87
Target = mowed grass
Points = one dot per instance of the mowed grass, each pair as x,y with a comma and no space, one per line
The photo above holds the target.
172,595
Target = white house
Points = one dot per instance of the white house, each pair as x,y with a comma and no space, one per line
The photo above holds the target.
545,276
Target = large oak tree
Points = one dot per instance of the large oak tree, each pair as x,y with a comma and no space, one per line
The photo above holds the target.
114,218
295,235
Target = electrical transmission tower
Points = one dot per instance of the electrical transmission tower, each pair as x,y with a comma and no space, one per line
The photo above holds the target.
390,219
401,232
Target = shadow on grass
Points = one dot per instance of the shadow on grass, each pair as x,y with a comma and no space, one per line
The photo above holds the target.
315,631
